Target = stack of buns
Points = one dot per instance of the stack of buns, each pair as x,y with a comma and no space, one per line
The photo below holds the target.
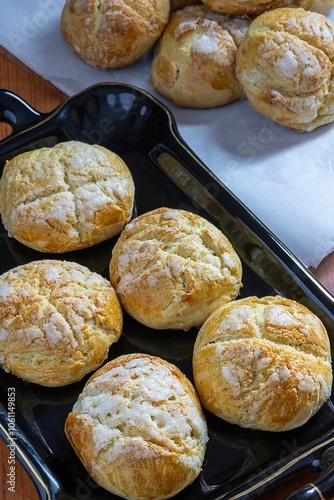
284,65
138,425
278,61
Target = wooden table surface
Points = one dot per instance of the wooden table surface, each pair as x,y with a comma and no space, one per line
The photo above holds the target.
43,96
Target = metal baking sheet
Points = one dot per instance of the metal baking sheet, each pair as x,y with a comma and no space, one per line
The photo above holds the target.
240,463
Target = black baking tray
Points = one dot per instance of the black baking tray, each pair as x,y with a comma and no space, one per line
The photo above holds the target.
239,463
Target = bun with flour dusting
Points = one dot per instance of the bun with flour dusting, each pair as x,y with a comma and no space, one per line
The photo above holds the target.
263,363
285,66
67,197
138,428
171,269
57,321
113,33
194,60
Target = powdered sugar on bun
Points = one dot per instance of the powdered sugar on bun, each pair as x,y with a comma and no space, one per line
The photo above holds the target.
67,197
284,65
172,268
263,363
113,33
57,321
194,60
138,428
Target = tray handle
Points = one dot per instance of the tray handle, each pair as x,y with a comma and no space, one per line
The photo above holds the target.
323,486
16,112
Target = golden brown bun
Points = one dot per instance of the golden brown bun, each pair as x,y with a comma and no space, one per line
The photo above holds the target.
284,65
171,269
263,363
57,321
113,33
138,428
65,198
180,4
194,60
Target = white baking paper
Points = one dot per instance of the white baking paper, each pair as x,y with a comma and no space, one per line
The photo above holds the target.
286,178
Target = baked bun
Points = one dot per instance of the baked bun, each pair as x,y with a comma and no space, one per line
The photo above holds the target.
57,321
242,7
194,60
138,428
65,198
263,363
113,33
171,269
285,66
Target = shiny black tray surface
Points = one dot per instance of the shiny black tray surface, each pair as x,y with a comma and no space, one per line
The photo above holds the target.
239,463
